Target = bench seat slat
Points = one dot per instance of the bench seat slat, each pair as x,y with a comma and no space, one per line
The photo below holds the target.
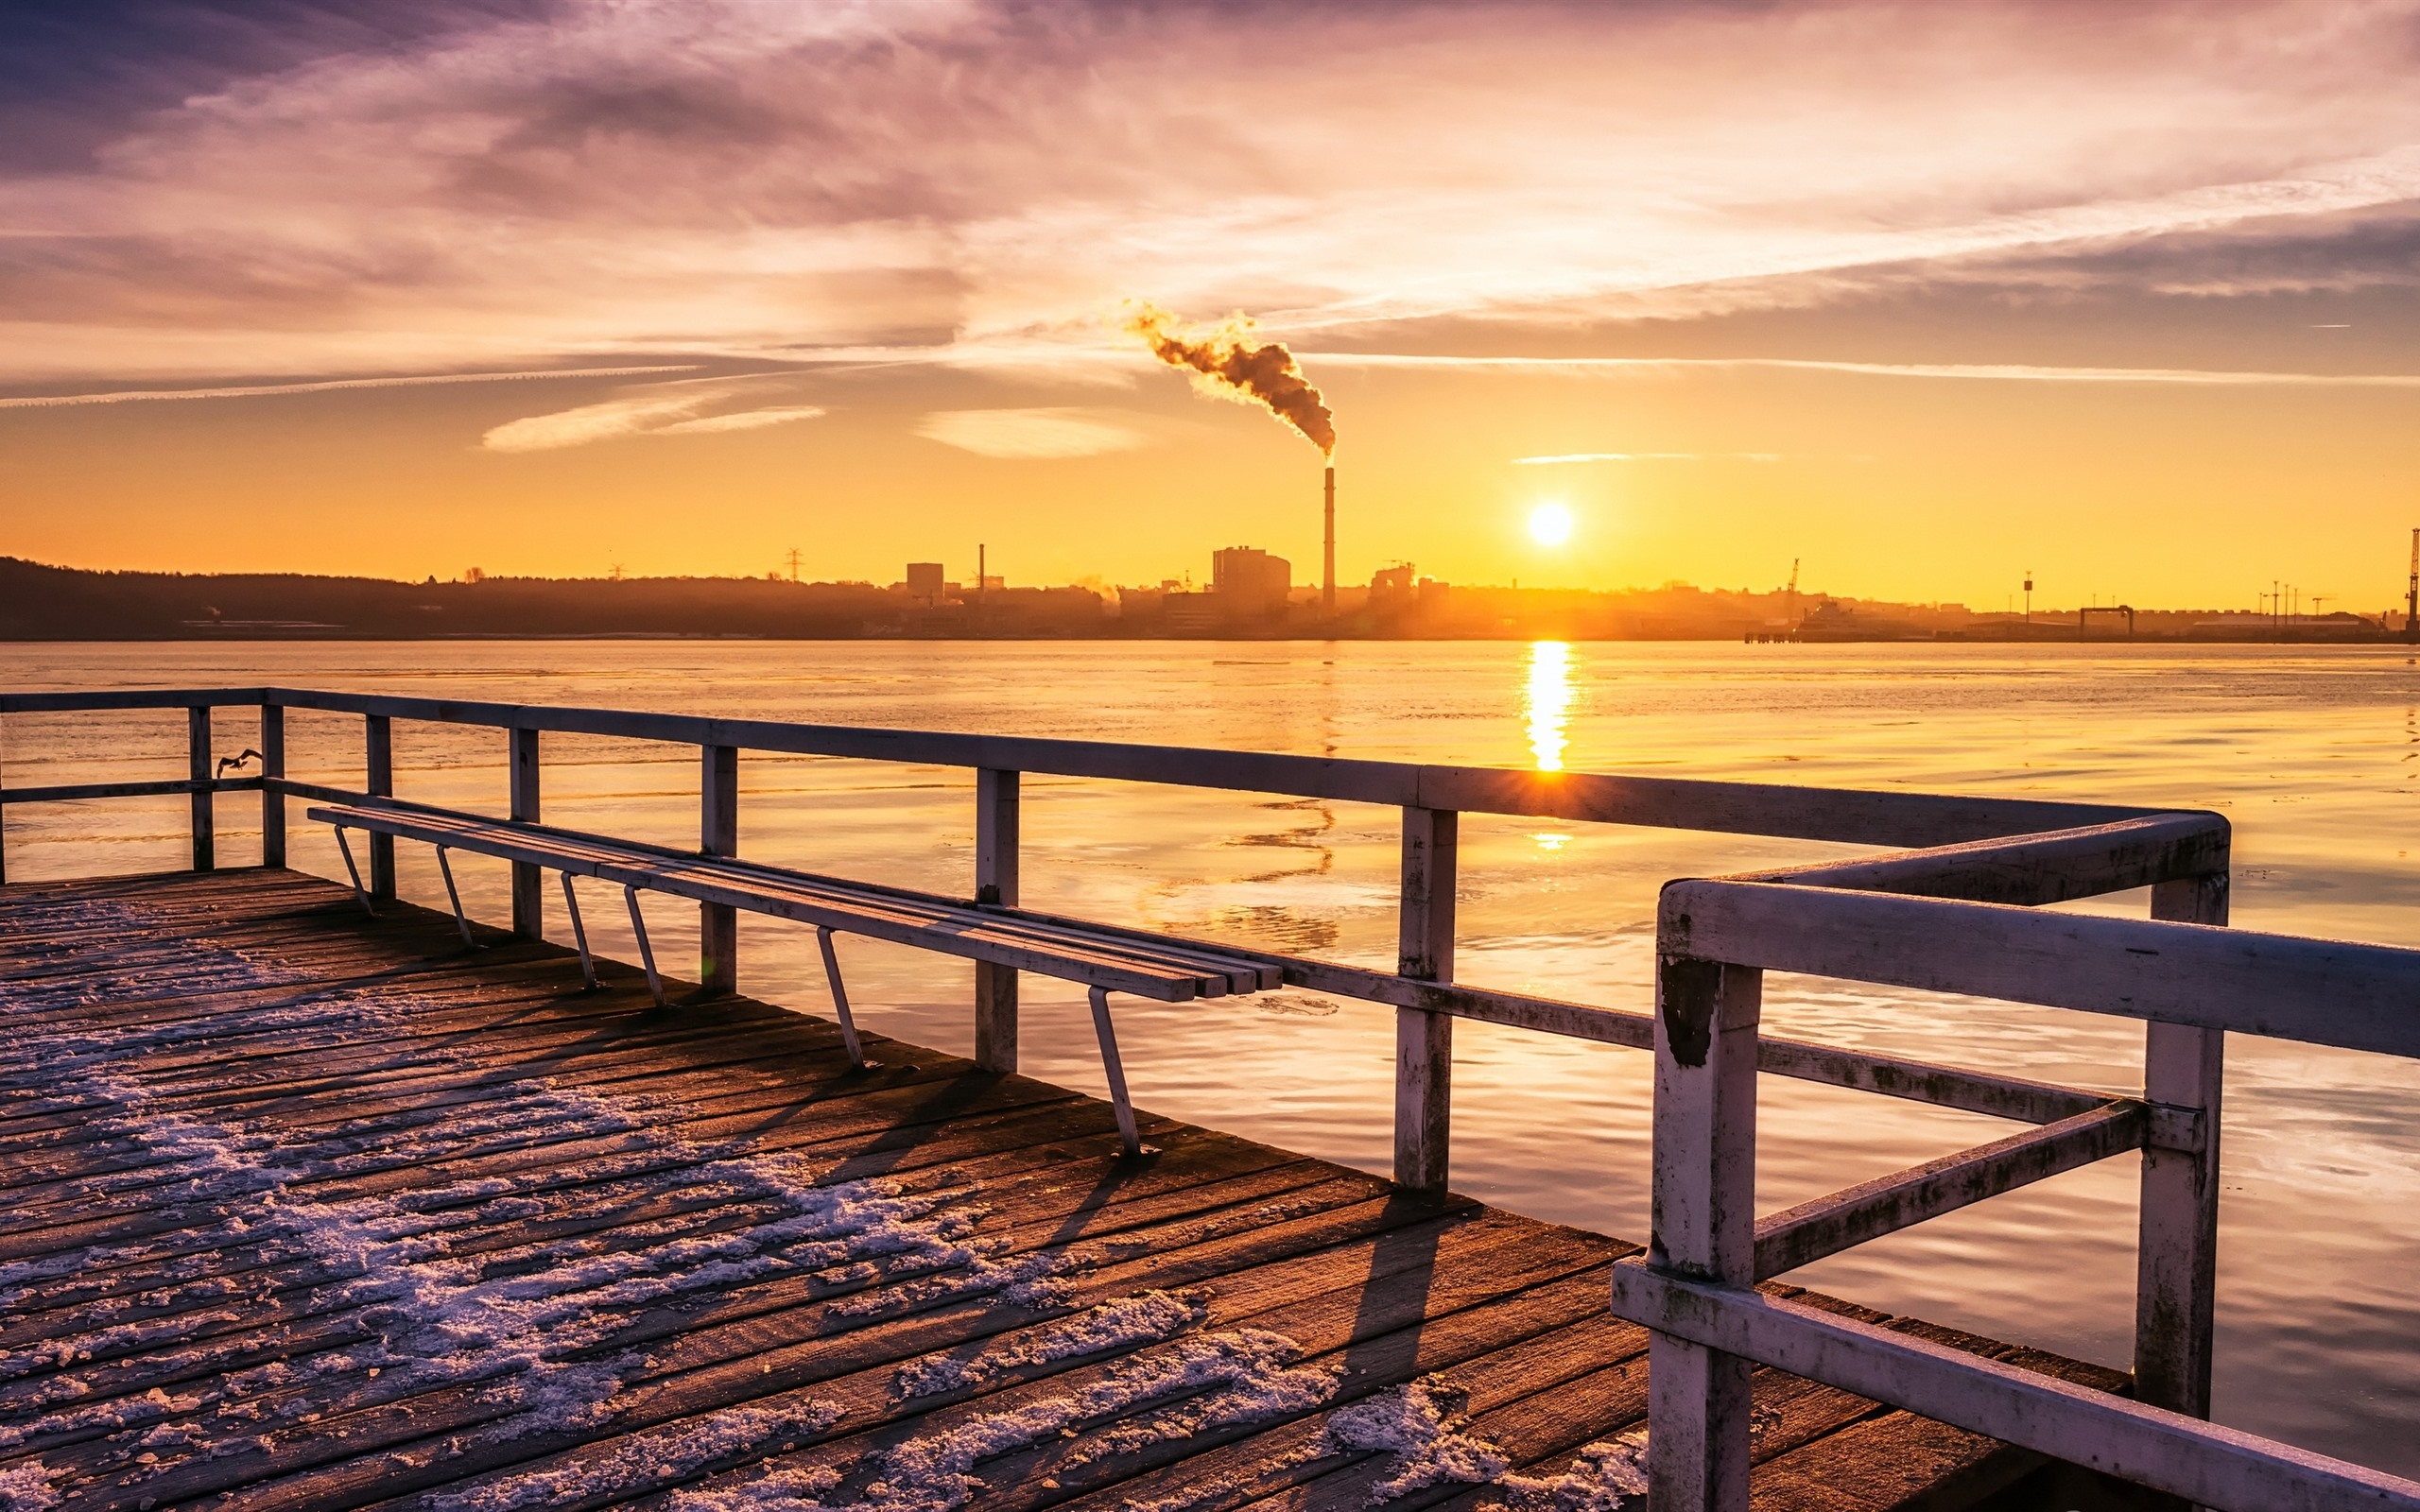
1123,973
1241,974
590,857
954,920
1125,961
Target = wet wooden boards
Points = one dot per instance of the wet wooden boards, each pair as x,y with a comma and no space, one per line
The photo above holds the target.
300,1209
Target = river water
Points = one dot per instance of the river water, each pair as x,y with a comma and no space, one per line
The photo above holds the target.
2314,754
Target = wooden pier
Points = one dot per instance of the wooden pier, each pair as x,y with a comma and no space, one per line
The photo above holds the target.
317,1199
310,1211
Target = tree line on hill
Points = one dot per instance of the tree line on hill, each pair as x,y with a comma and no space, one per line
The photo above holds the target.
45,602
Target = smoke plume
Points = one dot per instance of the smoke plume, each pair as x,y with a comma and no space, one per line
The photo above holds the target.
1228,363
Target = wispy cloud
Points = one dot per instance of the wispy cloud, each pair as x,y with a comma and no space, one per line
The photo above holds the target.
1563,457
124,396
1028,434
667,410
746,419
758,177
1996,372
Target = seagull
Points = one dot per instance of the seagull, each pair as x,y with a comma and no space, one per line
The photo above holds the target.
248,754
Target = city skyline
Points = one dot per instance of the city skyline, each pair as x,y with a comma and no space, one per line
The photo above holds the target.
1931,297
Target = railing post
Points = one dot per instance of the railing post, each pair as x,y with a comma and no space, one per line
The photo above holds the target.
378,780
719,835
1425,1040
272,769
3,832
1704,1224
2177,1260
205,822
529,890
996,882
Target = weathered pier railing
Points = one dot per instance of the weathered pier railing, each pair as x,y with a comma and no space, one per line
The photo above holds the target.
1956,913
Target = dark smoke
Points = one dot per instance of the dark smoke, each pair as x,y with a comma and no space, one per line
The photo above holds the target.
1226,362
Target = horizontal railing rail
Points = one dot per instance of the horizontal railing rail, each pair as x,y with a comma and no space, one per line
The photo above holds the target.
1887,1204
1959,907
1847,816
2284,986
2202,1464
78,792
2033,870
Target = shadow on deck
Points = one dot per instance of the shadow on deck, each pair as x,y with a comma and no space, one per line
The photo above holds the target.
305,1211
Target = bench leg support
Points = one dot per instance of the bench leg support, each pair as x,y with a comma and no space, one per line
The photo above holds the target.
840,997
454,895
646,951
1116,1072
578,934
354,872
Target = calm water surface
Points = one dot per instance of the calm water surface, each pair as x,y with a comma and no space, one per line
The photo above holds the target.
2314,754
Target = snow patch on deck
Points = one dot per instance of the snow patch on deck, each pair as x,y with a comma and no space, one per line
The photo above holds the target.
27,1488
1180,1390
237,1288
532,1327
1422,1429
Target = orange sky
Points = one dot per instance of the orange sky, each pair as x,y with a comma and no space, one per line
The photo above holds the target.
1923,296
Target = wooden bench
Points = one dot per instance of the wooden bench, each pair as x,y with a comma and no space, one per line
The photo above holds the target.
1105,959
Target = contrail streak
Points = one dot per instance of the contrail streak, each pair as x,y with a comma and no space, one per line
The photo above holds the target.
126,396
1646,456
2004,373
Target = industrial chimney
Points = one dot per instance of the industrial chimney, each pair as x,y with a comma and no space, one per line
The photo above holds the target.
1327,582
2411,605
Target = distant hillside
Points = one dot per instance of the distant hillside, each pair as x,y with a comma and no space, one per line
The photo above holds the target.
39,603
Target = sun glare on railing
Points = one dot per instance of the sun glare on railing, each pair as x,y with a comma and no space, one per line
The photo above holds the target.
1548,704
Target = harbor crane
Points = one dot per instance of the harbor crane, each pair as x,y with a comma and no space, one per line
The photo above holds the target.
2412,598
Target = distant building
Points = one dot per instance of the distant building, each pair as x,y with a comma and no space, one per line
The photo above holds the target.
1193,613
925,580
1249,581
1392,583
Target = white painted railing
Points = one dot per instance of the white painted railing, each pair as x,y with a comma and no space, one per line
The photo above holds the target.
2190,981
1958,915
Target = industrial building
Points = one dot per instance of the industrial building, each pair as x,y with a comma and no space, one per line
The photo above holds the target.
1249,583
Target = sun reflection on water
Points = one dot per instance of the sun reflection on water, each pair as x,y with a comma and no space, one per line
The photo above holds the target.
1548,704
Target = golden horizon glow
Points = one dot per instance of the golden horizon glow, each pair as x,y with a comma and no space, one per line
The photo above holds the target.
1814,281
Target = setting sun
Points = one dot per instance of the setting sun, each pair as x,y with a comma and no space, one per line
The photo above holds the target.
1550,524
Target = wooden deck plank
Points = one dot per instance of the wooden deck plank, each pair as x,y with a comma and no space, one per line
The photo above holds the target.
302,1209
358,1410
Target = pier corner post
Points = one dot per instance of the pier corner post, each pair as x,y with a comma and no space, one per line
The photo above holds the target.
1705,1224
996,882
719,835
272,769
529,883
2176,1265
205,822
379,753
1425,1039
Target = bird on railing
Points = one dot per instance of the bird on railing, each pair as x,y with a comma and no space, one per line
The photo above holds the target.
236,761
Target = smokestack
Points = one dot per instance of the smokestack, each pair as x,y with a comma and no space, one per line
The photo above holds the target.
1327,580
2412,605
